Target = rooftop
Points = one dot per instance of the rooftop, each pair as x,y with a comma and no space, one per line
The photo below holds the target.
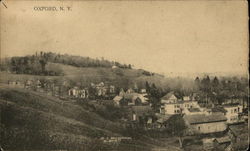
117,98
222,140
140,110
231,105
194,110
203,118
163,118
218,109
168,95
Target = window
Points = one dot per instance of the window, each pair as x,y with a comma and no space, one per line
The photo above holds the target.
199,128
235,110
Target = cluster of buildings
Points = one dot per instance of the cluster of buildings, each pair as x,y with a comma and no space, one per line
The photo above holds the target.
64,89
201,120
138,105
188,106
103,90
99,90
131,98
48,87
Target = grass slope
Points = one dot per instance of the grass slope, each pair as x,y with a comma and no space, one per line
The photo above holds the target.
30,112
30,120
119,77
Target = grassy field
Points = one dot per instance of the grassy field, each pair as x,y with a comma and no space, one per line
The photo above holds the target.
118,77
31,120
31,112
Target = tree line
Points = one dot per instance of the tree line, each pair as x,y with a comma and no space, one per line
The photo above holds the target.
37,63
217,90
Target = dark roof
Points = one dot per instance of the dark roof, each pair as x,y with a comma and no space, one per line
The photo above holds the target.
202,118
218,109
167,96
238,129
130,96
223,140
194,110
231,105
163,118
140,110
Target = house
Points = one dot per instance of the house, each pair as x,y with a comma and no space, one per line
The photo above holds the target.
122,92
28,84
186,98
78,93
142,91
169,98
218,109
130,91
238,133
11,83
205,123
17,84
172,105
162,120
140,113
117,99
130,99
193,111
233,112
101,89
233,100
135,99
38,84
222,143
111,89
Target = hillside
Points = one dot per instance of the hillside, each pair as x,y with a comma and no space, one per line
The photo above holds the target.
119,77
30,120
22,110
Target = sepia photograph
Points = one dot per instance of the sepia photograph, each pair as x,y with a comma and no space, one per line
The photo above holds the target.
124,75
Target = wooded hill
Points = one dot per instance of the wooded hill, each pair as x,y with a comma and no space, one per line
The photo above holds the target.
37,63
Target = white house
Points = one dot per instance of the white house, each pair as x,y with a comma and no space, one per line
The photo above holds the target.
172,105
169,98
78,93
233,113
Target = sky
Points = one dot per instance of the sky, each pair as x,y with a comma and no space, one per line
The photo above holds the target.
160,36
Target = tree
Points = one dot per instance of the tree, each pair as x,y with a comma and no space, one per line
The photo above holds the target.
197,83
43,63
177,126
215,84
147,86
